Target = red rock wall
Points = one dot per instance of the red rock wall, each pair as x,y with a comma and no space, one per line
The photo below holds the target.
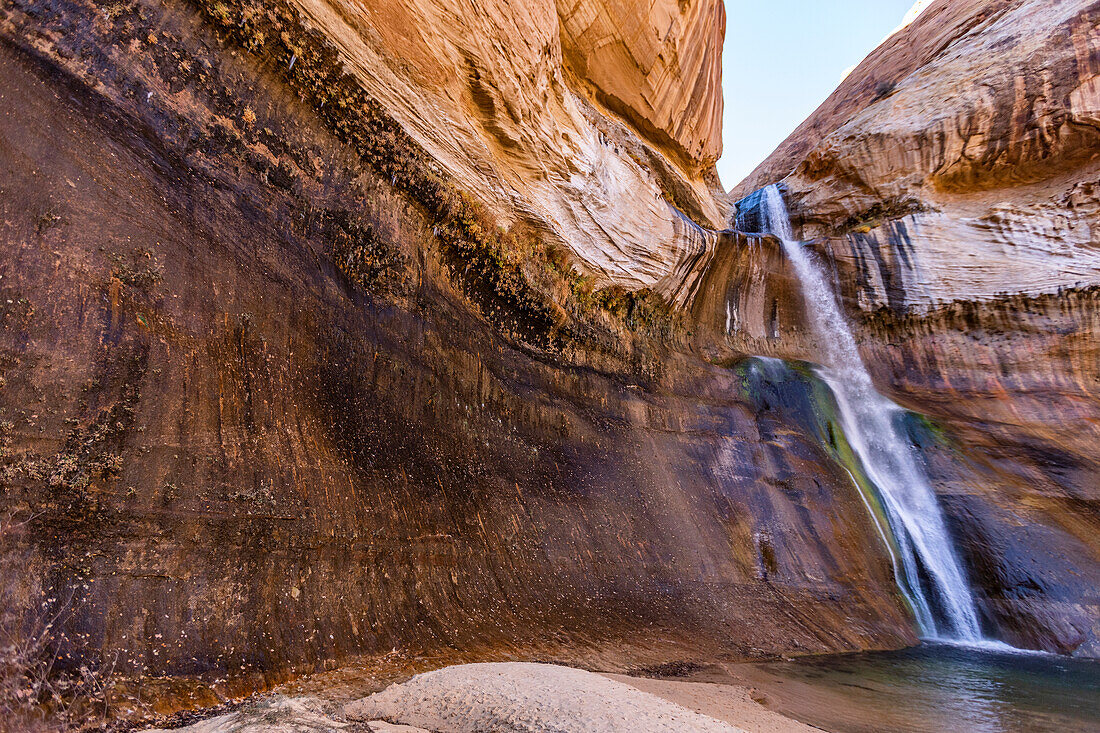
273,403
956,207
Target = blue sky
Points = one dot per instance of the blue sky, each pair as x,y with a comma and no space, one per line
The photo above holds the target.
782,59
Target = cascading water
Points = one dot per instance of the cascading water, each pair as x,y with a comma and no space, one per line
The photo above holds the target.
928,573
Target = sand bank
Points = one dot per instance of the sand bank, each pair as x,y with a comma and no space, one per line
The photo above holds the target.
518,697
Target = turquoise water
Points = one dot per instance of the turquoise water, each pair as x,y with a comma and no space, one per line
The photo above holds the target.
936,688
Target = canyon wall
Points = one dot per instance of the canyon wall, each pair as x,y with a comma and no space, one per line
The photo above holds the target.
309,358
395,333
951,184
596,123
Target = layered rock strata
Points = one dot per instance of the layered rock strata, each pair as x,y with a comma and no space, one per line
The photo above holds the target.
525,105
279,393
950,182
346,332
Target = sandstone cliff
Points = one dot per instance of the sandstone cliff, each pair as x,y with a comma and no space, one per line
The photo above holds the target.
600,129
316,350
399,333
951,182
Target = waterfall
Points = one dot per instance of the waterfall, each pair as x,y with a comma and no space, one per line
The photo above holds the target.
928,571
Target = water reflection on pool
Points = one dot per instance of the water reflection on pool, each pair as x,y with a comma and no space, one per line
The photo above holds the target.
936,688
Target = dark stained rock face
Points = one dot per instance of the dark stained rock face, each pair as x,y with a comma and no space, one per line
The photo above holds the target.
274,399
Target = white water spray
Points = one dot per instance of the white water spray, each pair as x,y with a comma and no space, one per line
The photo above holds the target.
929,573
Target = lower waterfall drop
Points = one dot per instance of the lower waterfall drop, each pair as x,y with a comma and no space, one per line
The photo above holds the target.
929,573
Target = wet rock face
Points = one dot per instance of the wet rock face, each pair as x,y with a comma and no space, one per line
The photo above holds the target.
1013,382
277,395
958,211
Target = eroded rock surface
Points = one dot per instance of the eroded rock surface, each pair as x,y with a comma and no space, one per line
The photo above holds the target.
279,394
333,331
658,64
972,171
951,182
527,112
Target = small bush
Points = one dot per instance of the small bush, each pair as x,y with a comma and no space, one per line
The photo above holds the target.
34,694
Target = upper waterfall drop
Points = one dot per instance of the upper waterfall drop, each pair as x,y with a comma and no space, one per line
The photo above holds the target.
929,573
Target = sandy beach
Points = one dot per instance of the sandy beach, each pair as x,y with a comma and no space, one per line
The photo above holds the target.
727,702
521,698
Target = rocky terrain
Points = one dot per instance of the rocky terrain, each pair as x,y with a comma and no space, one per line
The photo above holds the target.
395,334
957,204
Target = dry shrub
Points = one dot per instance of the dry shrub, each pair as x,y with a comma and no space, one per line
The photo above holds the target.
34,694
